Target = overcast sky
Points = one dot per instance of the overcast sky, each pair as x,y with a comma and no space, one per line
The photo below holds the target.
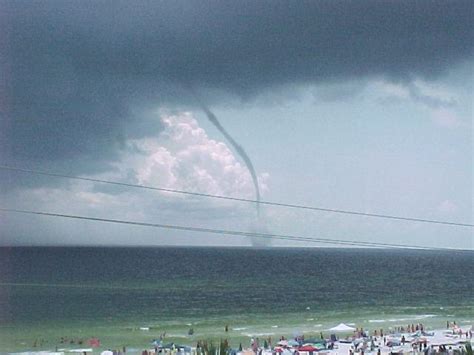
363,105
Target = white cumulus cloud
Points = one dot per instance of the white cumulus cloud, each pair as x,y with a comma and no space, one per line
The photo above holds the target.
184,157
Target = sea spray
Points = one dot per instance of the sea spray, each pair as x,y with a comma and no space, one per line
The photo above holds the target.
259,227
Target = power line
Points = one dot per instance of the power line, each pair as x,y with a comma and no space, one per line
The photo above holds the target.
232,232
269,203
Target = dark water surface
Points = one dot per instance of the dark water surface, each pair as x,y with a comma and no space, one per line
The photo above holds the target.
114,291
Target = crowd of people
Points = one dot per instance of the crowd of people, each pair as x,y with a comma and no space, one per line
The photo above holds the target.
411,338
359,341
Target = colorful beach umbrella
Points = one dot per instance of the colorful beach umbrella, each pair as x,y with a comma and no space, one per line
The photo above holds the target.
307,348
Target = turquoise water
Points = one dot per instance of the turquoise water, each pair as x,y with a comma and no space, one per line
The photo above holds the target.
110,293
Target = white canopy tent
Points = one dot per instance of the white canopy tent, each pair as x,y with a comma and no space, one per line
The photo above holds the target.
342,328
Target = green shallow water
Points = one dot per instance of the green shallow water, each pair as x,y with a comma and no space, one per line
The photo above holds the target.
49,293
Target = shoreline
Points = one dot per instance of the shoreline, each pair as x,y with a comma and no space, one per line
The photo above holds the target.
335,342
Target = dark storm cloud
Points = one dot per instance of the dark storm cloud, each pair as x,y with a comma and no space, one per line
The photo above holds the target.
79,76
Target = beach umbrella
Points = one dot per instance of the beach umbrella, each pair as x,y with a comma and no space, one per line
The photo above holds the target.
393,342
307,348
317,345
283,343
342,328
293,343
416,334
278,350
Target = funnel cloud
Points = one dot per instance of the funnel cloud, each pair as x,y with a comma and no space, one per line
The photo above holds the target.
259,227
238,148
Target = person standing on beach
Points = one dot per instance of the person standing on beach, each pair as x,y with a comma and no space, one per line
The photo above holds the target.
254,345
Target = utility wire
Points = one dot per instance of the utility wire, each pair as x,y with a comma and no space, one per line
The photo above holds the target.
269,203
232,232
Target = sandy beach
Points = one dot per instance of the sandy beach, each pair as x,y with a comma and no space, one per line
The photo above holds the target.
342,339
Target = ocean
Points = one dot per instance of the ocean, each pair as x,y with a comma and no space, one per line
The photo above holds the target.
130,296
